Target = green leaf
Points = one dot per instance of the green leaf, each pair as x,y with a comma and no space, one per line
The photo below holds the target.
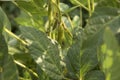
88,60
1,21
95,75
110,3
42,75
110,56
105,16
25,19
118,37
32,7
78,61
93,33
101,18
4,22
63,7
109,38
44,51
76,21
32,13
73,60
8,70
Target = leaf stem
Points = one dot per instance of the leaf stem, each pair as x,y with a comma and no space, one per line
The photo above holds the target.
89,7
68,17
92,1
12,34
81,16
81,5
80,78
25,67
49,16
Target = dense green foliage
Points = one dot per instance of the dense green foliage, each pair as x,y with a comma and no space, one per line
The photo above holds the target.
61,40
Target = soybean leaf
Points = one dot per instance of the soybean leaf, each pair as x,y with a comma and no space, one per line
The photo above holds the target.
93,35
42,75
110,56
32,6
8,70
95,75
25,19
73,60
88,61
99,20
44,52
110,3
78,61
4,22
63,7
32,13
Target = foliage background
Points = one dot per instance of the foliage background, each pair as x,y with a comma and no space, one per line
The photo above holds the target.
86,47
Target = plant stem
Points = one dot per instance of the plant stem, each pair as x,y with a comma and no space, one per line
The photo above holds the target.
25,67
68,17
12,34
92,1
80,78
81,5
80,16
89,7
49,16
